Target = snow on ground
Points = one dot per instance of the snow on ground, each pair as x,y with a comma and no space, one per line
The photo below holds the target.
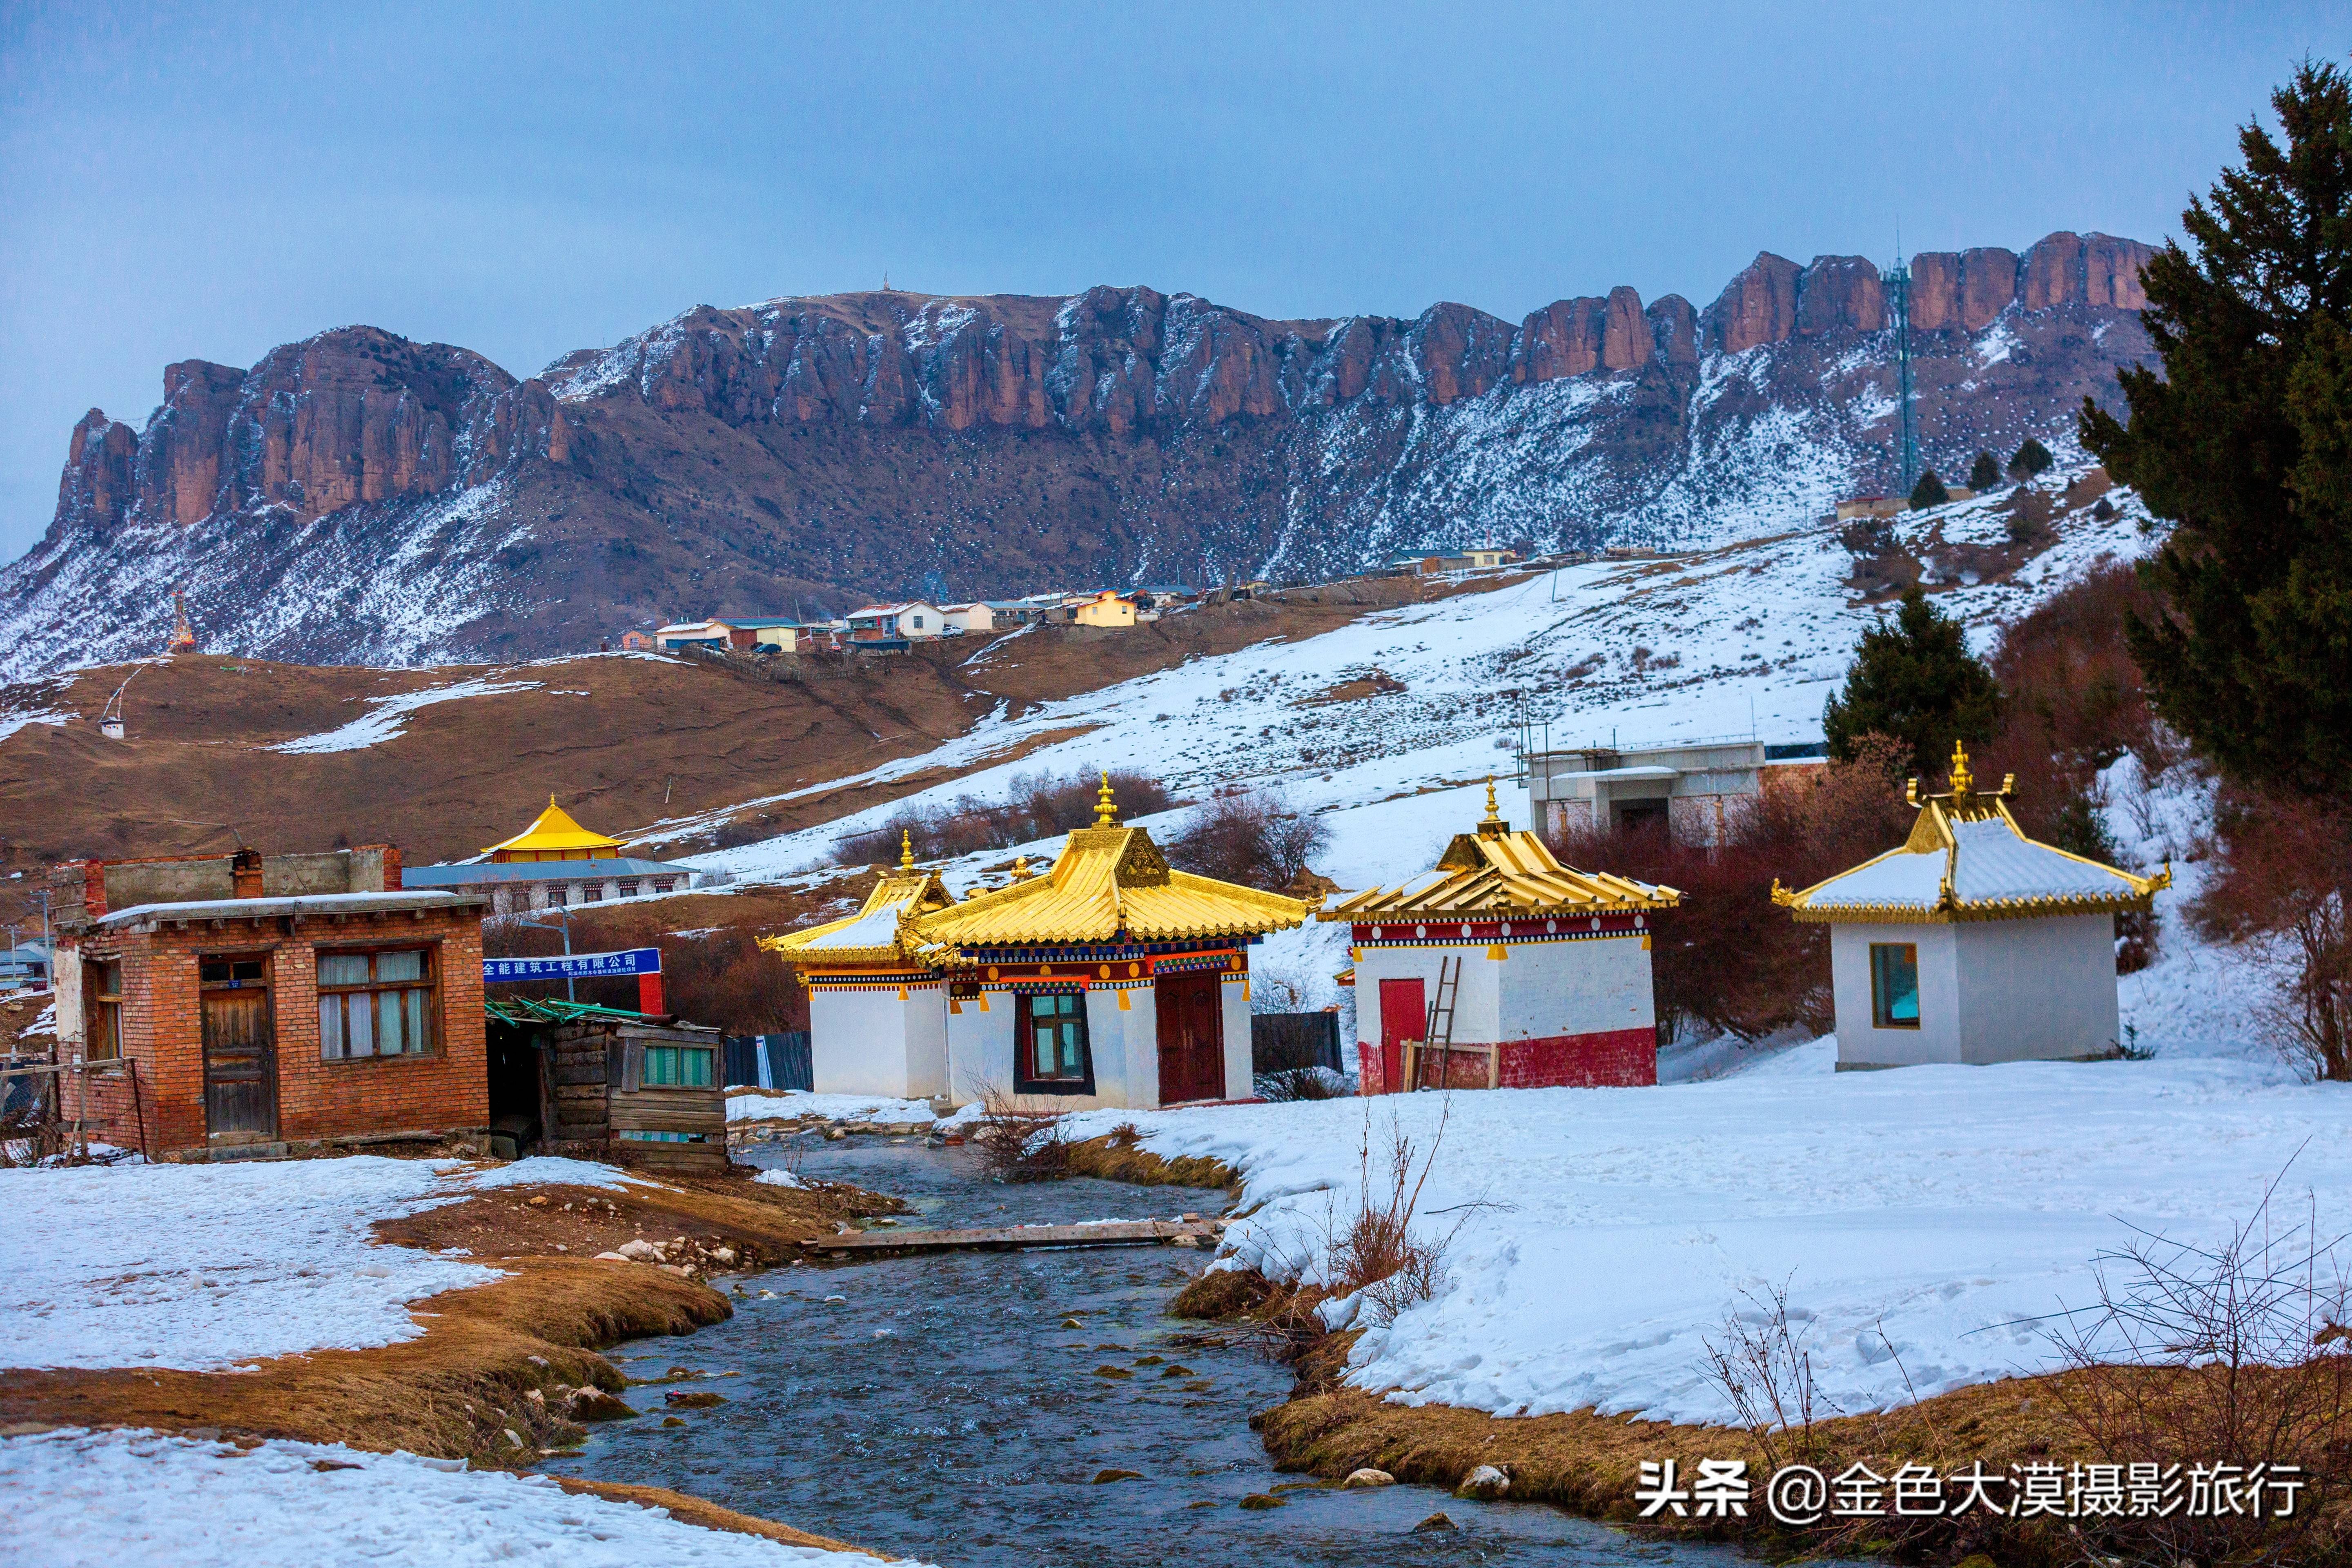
208,1266
1749,638
792,1103
92,1500
386,716
1919,1218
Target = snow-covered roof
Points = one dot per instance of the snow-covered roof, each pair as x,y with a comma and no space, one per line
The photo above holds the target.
1967,860
1496,870
299,904
481,872
1646,771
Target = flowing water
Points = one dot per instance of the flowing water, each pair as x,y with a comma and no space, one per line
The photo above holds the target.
939,1408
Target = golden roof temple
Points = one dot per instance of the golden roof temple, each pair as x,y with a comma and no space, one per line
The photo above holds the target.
553,835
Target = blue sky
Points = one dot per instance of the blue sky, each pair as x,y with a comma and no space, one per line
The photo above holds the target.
198,182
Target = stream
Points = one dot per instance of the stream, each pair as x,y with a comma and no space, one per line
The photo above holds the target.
937,1408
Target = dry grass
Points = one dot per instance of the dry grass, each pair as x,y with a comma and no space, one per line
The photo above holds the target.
710,1515
1119,1157
492,1357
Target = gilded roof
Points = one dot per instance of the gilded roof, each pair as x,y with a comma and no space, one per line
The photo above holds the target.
554,830
1107,880
872,935
1496,871
1967,860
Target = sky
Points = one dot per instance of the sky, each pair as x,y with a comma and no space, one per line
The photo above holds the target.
200,182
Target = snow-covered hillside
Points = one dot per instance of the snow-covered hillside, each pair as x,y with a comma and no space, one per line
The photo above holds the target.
1749,638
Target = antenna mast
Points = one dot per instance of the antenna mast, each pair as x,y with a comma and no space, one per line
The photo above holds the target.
1899,303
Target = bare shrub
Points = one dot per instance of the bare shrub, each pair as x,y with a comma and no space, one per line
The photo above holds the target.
2284,872
1375,1250
1317,1082
1764,1365
1252,837
1019,1141
2237,1351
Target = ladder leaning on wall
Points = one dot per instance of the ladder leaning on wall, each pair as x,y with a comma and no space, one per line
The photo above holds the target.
1437,1029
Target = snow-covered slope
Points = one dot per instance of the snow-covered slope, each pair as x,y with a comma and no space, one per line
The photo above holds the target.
1747,639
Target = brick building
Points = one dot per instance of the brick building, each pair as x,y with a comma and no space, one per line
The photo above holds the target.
260,1000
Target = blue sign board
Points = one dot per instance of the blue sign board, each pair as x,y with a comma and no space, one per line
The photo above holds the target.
578,967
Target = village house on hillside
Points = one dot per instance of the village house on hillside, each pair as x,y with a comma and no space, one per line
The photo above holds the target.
556,864
1111,980
1502,968
1971,942
878,626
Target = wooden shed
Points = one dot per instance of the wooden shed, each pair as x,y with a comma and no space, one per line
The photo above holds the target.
573,1079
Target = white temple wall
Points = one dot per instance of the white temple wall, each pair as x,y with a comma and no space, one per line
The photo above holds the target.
871,1042
1241,1077
980,1047
1859,1042
2038,990
1581,987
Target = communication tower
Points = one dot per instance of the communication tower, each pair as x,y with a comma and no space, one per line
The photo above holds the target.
1898,305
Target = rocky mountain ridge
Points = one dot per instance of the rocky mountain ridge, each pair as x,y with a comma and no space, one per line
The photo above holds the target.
359,497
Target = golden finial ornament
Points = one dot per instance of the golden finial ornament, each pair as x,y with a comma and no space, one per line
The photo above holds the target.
1492,824
1021,868
1961,782
906,850
1106,812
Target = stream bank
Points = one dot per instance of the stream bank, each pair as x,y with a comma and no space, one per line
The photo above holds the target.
960,1407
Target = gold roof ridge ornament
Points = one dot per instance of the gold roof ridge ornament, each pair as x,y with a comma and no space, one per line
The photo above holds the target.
906,850
1492,824
1986,868
1106,809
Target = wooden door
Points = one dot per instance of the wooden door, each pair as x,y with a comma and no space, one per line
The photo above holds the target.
1404,1016
240,1066
1192,1037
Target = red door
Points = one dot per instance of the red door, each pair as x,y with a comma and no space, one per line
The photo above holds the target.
1403,1015
1192,1037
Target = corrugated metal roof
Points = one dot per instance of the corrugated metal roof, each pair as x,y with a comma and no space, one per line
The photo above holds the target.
299,904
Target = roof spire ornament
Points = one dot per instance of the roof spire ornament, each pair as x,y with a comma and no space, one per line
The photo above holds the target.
1960,779
1021,868
1106,812
906,850
1492,824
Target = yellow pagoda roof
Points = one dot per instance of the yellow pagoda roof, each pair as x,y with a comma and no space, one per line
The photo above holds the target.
1497,872
553,829
1967,860
872,935
1107,880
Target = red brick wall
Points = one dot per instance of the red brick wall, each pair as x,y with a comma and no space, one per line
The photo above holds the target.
163,1032
1610,1059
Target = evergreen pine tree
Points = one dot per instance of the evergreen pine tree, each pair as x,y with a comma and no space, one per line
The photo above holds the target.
1915,679
1929,491
2244,442
1984,474
2030,459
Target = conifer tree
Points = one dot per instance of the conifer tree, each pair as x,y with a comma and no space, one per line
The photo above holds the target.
2243,441
2030,459
1984,474
1915,679
1929,491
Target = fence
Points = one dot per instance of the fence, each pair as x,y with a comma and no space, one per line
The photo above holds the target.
770,1061
1285,1042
